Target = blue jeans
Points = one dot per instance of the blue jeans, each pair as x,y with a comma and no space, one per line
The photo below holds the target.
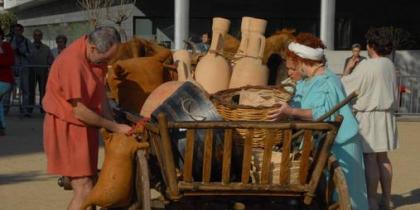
4,87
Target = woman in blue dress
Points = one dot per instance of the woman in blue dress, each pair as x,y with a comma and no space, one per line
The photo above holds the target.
319,92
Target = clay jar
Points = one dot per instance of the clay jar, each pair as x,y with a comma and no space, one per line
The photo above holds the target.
249,70
213,70
158,96
183,58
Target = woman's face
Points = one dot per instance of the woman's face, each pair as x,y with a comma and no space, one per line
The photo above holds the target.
292,70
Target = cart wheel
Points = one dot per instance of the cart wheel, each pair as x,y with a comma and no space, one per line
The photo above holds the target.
337,184
142,181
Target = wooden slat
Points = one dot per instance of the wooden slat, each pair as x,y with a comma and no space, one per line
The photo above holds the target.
319,165
268,150
250,125
246,162
208,148
285,158
168,158
238,186
188,156
227,156
306,152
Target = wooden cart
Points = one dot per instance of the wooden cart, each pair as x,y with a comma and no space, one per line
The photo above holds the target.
159,168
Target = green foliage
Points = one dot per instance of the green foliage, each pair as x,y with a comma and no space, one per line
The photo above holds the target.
7,19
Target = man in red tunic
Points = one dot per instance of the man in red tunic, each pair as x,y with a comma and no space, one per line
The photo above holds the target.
76,106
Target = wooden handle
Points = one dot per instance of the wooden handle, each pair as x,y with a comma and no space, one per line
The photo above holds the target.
338,106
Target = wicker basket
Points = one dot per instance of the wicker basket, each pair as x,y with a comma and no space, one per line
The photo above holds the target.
224,103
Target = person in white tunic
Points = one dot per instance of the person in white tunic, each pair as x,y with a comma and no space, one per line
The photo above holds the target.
375,81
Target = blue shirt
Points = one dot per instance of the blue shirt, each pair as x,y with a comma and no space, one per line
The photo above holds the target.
320,94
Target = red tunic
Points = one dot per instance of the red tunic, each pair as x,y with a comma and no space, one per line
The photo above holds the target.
70,145
7,59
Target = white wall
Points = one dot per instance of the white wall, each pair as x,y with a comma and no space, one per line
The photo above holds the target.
79,16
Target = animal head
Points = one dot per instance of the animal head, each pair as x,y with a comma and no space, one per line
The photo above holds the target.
121,143
278,42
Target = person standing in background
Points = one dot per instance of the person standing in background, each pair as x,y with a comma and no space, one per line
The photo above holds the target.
352,61
41,59
61,41
7,59
204,45
22,48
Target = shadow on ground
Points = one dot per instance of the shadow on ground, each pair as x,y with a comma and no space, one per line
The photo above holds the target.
23,177
408,198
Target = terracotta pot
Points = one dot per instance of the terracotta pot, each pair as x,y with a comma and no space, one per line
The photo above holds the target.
249,70
213,70
158,96
183,57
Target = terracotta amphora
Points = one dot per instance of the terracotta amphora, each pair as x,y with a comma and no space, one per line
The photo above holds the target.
183,59
245,24
249,70
213,70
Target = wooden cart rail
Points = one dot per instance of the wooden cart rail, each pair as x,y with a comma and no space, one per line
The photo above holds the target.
313,157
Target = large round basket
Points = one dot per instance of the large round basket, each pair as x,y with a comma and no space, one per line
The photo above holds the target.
228,104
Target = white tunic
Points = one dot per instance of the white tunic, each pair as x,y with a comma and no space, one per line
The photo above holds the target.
375,81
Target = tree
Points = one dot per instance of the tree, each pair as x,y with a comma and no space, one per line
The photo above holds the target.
95,10
401,39
121,14
7,19
116,11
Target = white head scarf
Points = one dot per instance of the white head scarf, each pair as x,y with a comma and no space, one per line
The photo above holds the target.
306,52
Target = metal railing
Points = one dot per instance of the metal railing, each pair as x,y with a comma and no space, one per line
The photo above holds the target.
409,95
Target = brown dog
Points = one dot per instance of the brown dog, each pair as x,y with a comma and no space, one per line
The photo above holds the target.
114,185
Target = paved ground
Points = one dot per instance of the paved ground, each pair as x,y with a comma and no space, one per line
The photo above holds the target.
24,184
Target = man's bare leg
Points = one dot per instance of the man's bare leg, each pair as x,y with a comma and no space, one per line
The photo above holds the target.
372,179
385,178
81,188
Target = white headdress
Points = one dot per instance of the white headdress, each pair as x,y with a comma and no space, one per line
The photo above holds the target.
303,51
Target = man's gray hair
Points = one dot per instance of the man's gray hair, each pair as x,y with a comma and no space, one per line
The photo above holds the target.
356,45
104,38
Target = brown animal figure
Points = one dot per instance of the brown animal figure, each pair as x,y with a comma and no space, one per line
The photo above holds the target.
274,44
277,43
133,79
136,47
114,186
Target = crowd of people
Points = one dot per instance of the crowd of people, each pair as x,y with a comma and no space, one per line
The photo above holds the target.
75,103
28,61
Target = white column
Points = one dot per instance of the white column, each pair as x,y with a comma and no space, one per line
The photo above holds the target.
182,13
327,23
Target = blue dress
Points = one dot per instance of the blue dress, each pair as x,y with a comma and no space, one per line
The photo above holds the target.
320,94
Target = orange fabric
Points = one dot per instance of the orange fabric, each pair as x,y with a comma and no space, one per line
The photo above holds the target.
70,145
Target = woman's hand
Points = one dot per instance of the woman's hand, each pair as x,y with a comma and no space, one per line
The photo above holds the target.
283,110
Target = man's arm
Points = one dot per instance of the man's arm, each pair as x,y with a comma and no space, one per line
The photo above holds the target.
107,111
84,114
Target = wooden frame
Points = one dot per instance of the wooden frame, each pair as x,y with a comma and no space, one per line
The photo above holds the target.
310,167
